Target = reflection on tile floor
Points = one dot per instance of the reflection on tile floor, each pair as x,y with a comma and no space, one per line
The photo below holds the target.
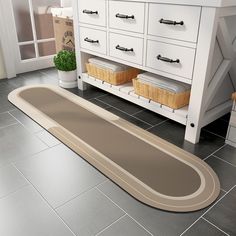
46,189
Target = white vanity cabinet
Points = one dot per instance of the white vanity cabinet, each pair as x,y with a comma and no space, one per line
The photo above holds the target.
192,42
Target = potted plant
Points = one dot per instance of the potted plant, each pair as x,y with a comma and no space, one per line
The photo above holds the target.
65,62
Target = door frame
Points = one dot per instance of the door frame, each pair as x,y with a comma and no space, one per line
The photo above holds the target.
10,44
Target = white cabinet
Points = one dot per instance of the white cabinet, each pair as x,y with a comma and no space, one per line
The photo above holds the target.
170,58
174,21
128,16
171,38
126,48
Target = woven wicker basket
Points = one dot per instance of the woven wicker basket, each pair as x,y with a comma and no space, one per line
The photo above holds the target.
111,77
162,96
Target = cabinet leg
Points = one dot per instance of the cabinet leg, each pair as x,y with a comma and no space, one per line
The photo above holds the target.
192,132
81,85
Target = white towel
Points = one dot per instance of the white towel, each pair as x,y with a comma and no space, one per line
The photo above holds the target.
107,64
164,83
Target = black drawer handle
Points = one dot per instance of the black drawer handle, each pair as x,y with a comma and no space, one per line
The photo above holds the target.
90,12
171,22
159,57
118,15
90,40
118,47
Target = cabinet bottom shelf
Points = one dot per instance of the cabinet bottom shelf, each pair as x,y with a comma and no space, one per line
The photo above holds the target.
126,91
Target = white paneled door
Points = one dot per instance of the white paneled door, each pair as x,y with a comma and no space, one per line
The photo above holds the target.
27,35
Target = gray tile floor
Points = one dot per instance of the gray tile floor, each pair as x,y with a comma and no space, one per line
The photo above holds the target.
46,189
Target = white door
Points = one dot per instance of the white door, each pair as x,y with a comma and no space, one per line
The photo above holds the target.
27,34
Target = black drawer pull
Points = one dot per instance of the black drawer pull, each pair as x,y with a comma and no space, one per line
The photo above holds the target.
118,47
90,40
90,12
171,22
118,15
159,57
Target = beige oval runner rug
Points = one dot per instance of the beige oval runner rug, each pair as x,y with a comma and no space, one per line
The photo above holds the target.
149,168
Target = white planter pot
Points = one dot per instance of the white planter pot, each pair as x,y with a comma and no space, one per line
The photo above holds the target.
68,79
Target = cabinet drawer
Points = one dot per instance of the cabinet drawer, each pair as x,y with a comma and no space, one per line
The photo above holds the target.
127,16
174,21
126,48
159,56
94,40
92,12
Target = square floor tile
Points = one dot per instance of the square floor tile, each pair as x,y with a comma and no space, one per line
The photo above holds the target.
89,213
25,213
52,72
90,93
47,138
156,221
10,180
99,103
17,143
129,118
227,153
6,119
174,132
32,78
223,213
202,227
59,174
218,127
150,117
120,104
225,172
5,105
5,87
26,121
125,226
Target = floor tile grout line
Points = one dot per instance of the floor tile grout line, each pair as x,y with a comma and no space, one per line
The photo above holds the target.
126,113
214,152
224,160
156,125
213,133
25,125
3,127
15,191
125,212
80,194
215,226
107,227
31,155
97,98
44,199
223,190
139,112
207,210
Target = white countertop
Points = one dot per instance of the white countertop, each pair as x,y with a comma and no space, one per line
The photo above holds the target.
210,3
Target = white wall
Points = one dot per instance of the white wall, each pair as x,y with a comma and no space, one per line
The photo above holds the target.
2,66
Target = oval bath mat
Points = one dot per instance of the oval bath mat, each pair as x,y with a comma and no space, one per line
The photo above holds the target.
149,168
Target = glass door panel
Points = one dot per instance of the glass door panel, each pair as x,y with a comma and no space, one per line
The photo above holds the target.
22,20
43,17
47,48
27,51
34,26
